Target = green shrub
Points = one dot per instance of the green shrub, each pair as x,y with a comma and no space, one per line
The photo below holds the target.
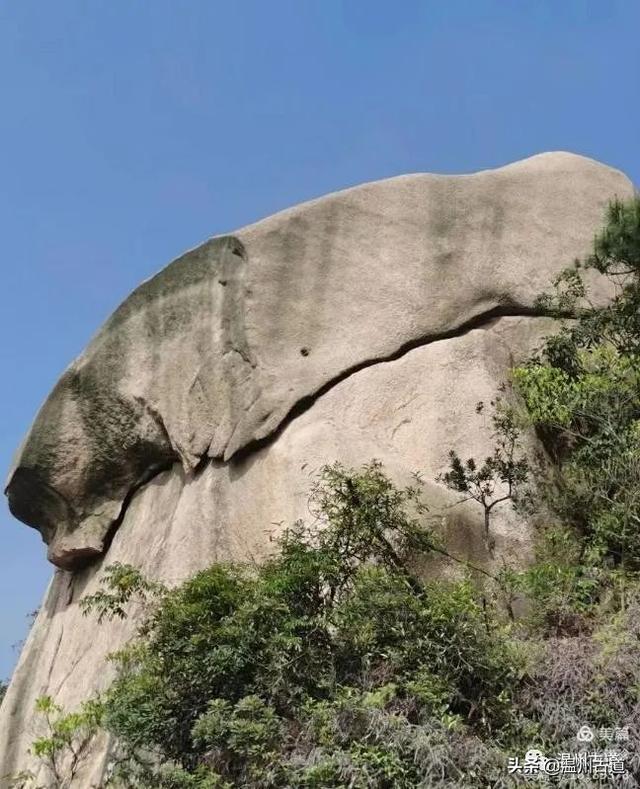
288,674
582,393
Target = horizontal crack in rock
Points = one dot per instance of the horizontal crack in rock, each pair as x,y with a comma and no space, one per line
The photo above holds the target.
305,403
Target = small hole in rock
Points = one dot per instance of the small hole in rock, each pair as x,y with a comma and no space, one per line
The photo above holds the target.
304,351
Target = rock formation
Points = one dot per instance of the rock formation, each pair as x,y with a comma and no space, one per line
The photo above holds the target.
364,324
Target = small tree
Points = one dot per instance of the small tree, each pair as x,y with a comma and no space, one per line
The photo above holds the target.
501,474
64,745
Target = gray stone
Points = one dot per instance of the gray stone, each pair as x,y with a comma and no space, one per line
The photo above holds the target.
220,348
364,324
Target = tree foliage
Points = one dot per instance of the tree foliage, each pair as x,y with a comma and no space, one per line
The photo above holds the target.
582,393
63,744
500,477
123,583
329,665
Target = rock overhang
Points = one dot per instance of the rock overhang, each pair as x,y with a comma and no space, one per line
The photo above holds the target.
216,352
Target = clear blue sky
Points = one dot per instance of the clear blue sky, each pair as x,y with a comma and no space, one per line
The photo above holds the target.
131,130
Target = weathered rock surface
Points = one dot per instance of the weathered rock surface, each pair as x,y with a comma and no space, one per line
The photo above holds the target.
364,324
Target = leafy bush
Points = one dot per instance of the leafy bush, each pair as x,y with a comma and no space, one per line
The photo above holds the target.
332,664
64,744
582,393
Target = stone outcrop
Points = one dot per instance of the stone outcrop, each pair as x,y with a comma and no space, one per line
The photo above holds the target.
364,324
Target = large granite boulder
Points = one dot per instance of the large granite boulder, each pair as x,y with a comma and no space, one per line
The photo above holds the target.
364,324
